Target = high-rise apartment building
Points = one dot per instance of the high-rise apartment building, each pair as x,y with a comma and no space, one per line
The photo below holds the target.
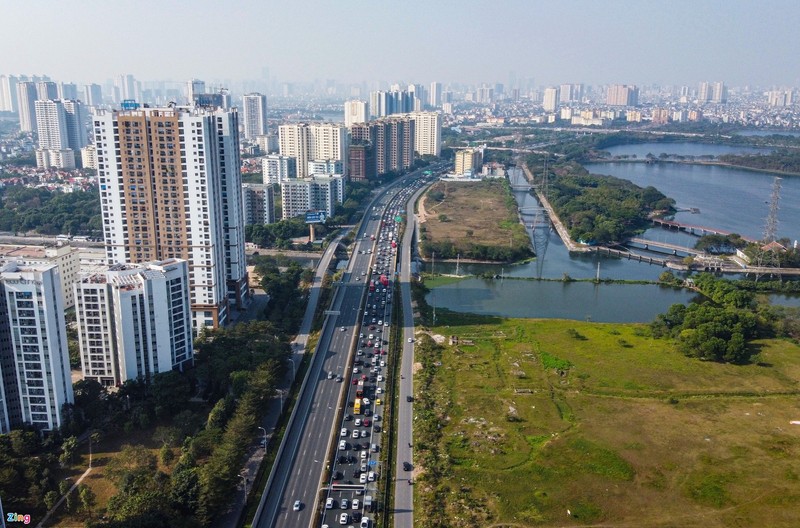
323,167
126,87
170,185
258,202
355,112
68,91
388,141
436,94
26,99
61,129
317,193
93,94
46,90
8,93
719,93
276,168
550,99
361,161
307,142
194,88
134,321
34,359
468,161
570,93
255,115
622,95
65,258
427,133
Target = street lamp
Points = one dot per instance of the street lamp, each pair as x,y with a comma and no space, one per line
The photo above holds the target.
265,434
280,393
293,369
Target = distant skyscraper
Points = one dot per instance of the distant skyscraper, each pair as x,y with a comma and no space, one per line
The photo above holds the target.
570,93
126,88
134,321
8,93
622,95
309,142
193,88
255,115
34,359
719,93
170,186
51,126
550,99
26,99
46,90
355,112
68,91
703,92
436,94
93,95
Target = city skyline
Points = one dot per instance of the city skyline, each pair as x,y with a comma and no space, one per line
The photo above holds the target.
472,41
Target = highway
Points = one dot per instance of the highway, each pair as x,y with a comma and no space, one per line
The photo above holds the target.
301,461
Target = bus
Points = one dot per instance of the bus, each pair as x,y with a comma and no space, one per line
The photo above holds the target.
357,406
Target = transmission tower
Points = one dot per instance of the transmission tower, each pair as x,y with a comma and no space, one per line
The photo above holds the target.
771,224
767,255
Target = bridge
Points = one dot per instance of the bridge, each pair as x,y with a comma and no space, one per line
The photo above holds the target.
695,229
652,245
521,187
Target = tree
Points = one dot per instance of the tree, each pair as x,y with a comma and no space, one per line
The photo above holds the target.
68,449
50,499
87,498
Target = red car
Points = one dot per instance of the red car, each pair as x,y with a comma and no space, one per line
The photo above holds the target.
355,381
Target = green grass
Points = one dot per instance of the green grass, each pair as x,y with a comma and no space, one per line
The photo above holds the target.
544,416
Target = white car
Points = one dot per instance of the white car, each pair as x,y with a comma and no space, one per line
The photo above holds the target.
343,432
297,505
364,433
410,339
355,433
357,423
380,376
356,504
363,478
344,518
329,504
342,329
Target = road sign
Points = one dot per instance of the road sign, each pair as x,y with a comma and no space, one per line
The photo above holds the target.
315,217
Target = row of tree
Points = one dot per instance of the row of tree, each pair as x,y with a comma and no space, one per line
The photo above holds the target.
784,160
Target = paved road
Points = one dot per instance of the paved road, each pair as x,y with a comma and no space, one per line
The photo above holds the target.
298,470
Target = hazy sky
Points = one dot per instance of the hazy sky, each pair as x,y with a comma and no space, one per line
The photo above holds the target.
593,41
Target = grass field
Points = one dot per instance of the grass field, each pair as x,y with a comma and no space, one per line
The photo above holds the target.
546,416
480,213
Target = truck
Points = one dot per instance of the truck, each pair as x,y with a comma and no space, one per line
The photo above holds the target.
384,280
394,244
357,406
360,388
371,286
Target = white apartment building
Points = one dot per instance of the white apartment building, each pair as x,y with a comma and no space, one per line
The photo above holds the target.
355,111
317,193
134,321
325,167
550,99
170,188
34,359
254,108
26,101
258,202
60,125
8,93
276,168
318,141
427,133
65,258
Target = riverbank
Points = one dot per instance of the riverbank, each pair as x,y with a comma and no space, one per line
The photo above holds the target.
693,162
571,245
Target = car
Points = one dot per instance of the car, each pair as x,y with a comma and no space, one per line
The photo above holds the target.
357,423
297,505
380,376
344,504
364,523
363,478
342,447
356,504
348,417
342,329
343,432
329,504
344,518
378,401
366,422
355,370
367,412
409,398
371,476
355,381
407,466
410,339
377,428
355,433
338,379
330,375
361,336
364,433
379,390
365,401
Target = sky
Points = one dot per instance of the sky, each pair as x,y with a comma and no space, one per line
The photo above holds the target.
675,42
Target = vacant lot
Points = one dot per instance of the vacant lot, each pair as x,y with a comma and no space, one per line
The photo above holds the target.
464,217
546,417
